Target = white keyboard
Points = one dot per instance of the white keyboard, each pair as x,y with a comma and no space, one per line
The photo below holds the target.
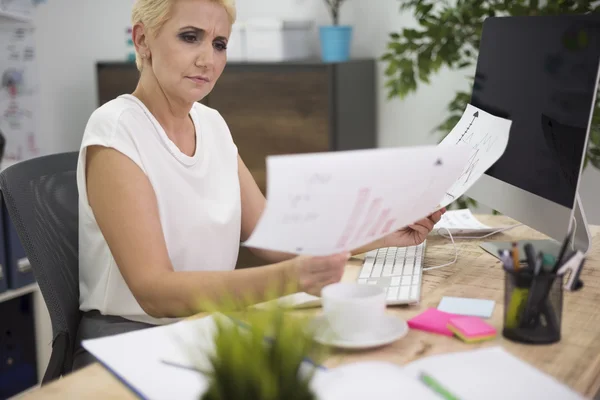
398,269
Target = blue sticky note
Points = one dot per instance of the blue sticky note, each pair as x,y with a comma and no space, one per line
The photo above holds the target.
464,306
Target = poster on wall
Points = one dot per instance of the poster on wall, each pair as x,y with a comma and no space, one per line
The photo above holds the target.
18,7
19,91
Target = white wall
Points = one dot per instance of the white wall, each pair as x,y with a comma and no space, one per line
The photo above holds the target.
71,36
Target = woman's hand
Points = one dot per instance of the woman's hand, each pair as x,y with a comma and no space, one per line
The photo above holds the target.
314,273
414,234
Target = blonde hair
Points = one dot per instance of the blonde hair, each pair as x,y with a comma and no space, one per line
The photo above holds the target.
154,13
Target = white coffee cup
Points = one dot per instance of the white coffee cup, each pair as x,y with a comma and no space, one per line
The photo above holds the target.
353,310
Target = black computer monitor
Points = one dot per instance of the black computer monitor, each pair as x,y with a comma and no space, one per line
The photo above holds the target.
542,73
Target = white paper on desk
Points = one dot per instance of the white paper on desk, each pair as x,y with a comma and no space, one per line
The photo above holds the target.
328,203
461,221
487,137
490,373
135,357
138,359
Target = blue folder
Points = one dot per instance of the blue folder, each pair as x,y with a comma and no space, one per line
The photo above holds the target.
18,269
3,270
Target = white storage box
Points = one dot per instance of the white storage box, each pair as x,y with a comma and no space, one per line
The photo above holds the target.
278,40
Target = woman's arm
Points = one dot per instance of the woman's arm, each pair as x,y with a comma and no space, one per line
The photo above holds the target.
125,207
253,205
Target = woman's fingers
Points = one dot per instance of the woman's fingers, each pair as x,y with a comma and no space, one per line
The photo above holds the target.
316,272
420,228
425,223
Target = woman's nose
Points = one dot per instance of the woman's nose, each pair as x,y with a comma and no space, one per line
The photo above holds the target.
205,56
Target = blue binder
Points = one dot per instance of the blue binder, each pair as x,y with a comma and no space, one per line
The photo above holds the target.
17,265
3,270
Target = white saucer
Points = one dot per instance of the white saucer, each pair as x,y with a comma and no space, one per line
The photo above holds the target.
391,329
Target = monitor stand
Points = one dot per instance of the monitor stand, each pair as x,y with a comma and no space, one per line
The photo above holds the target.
581,241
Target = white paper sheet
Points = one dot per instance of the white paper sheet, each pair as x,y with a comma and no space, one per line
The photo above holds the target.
328,203
487,137
490,373
365,380
144,359
136,358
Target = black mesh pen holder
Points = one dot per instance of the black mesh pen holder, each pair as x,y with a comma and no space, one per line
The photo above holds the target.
532,307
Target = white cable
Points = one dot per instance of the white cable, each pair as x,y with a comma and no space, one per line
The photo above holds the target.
573,234
464,237
455,254
483,237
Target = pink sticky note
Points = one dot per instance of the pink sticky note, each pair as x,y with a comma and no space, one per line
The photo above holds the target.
472,327
433,320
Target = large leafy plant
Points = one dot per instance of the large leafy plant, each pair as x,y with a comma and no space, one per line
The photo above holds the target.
448,35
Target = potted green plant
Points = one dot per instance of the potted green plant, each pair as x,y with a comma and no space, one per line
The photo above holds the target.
259,353
448,34
335,39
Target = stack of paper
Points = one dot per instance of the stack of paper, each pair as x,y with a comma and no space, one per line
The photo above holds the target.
328,203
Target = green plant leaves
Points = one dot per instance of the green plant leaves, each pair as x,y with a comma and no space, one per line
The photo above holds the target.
246,366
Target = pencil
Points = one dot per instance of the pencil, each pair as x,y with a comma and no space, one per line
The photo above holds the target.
515,254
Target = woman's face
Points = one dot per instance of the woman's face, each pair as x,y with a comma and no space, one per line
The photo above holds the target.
188,54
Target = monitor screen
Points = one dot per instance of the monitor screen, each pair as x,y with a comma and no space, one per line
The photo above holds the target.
541,73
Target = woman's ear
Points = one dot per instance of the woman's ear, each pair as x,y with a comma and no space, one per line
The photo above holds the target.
140,40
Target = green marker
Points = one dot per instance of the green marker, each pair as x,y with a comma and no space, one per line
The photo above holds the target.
436,387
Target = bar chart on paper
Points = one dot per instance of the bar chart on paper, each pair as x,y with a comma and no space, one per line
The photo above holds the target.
330,203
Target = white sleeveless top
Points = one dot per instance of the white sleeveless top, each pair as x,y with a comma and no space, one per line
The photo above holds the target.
198,200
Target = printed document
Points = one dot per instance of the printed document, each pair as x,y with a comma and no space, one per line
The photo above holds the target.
486,136
328,203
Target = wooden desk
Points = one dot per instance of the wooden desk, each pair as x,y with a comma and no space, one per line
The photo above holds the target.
574,361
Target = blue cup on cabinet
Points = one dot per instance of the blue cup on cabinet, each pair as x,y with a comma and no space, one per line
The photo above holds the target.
335,42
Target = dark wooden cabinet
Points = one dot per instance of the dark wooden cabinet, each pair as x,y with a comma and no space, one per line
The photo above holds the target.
281,108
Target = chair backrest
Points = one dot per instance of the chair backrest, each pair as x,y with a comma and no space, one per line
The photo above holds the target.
42,202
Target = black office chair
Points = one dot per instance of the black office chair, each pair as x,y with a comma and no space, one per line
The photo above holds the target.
42,202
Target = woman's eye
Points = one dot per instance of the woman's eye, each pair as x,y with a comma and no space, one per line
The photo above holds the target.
188,37
220,46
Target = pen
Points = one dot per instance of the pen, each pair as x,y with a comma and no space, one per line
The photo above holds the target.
177,365
515,254
434,385
530,254
562,252
538,264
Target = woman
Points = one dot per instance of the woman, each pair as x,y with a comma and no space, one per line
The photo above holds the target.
164,197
